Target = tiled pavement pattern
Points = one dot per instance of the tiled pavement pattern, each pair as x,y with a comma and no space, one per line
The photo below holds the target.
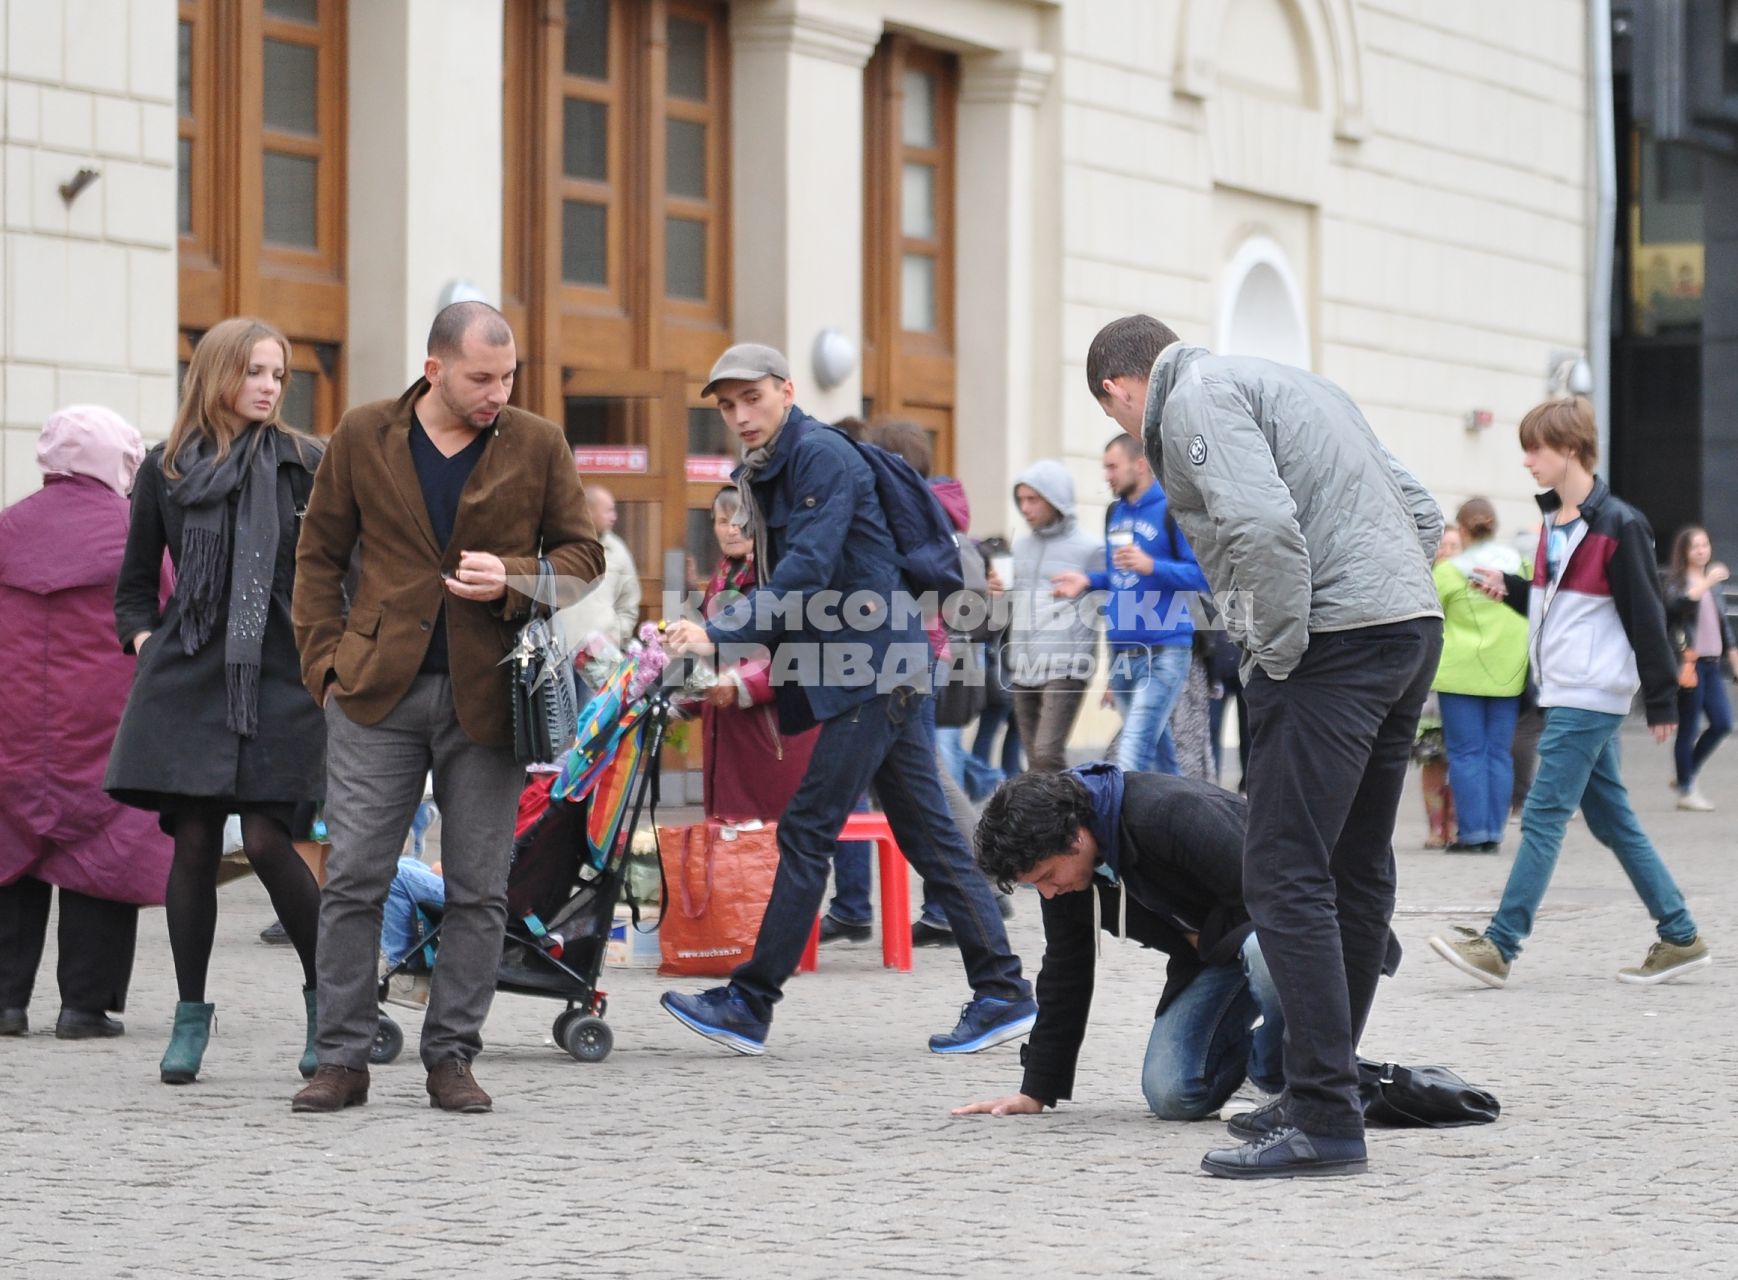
835,1155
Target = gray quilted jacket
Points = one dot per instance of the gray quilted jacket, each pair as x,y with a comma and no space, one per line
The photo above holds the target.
1301,518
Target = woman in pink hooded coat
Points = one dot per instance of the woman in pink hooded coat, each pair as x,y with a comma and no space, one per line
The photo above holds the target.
60,555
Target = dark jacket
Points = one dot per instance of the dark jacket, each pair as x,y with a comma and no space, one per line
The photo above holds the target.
1181,864
826,534
523,500
1682,614
173,740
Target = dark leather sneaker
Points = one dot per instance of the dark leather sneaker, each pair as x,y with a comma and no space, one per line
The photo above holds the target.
452,1087
78,1024
1289,1152
332,1089
925,934
14,1022
836,930
1253,1126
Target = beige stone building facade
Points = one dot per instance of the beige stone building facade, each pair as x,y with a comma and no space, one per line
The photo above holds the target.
955,192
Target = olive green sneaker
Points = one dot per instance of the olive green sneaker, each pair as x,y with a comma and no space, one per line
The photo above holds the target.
1476,956
1667,961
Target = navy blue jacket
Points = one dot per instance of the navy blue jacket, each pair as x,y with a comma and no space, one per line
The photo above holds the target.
827,604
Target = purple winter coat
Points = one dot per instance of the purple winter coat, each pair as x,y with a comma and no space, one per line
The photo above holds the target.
60,701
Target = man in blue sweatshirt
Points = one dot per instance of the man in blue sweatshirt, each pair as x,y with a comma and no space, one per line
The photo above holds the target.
1151,633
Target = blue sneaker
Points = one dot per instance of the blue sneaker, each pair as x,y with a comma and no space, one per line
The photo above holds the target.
985,1023
721,1015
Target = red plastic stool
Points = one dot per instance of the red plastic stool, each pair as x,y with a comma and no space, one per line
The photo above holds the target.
895,895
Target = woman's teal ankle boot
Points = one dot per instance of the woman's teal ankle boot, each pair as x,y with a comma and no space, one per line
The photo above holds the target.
187,1044
309,1062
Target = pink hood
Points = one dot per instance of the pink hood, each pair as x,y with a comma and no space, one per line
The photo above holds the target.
953,501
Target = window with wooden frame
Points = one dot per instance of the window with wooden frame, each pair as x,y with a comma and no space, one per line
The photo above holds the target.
616,200
911,101
260,170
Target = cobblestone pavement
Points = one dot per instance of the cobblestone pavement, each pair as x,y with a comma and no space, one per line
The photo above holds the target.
835,1153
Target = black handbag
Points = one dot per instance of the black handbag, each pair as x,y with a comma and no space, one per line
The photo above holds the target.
545,697
1397,1097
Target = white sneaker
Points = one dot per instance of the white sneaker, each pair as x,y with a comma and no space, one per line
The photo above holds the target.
1249,1097
408,989
1693,802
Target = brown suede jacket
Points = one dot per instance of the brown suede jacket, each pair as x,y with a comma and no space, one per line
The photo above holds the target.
524,500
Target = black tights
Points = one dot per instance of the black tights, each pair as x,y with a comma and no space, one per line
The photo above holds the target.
191,904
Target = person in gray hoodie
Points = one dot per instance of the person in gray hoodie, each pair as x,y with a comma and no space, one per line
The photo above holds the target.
1052,645
1317,544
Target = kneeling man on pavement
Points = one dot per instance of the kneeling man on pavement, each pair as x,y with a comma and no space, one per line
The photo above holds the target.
1157,859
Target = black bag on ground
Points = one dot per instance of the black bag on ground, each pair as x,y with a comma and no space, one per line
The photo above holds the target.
1397,1097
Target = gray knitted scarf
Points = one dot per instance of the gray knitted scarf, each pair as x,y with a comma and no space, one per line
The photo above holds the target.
748,513
222,567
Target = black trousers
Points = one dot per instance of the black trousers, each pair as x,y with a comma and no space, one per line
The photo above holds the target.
1327,762
96,946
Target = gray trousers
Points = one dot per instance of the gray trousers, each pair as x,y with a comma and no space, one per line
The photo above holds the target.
374,783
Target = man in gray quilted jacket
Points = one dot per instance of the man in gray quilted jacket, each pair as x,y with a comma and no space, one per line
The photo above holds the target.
1317,544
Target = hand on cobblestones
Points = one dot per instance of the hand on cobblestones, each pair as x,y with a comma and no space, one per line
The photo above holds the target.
1015,1104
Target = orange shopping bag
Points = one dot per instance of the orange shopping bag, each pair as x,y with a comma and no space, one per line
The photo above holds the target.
720,877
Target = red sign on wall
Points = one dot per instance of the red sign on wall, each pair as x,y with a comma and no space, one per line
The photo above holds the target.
612,459
710,467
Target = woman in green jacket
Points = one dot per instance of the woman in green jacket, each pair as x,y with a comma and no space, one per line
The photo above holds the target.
1479,680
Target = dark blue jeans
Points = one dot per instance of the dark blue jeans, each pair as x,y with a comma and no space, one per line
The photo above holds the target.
1479,733
1708,699
884,742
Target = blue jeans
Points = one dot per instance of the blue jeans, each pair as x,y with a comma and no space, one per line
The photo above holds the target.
413,883
1578,765
1145,685
1202,1046
882,741
996,716
970,774
1478,733
1709,699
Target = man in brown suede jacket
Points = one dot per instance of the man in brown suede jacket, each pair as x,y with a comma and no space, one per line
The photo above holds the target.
445,495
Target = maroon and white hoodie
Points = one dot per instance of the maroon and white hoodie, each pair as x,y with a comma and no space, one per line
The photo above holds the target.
1598,634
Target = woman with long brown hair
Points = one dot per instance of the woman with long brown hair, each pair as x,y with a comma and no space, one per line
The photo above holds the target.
218,721
1702,634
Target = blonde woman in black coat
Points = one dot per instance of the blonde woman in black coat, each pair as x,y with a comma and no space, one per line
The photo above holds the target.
218,721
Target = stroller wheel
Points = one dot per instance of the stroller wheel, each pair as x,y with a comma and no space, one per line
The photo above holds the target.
588,1039
562,1022
388,1042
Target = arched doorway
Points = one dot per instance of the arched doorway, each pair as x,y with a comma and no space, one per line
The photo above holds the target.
1261,310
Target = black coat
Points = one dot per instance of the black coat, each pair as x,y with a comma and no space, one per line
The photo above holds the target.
173,742
1181,864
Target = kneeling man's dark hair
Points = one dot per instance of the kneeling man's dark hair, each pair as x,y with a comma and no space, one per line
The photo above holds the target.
1030,818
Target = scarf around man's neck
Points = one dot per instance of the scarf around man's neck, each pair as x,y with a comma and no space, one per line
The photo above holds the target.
219,567
754,461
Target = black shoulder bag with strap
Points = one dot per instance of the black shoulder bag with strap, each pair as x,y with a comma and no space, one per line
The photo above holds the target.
1397,1097
545,699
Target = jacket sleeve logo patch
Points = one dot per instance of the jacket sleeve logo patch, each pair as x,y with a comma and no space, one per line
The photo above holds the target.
1198,450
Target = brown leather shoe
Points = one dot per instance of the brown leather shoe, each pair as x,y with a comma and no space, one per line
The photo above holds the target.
452,1087
332,1089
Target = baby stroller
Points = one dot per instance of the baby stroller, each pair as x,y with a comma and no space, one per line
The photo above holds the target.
570,858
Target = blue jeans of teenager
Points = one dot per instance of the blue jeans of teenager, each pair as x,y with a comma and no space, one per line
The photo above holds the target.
1578,765
1478,733
884,742
412,883
1203,1047
1145,684
970,774
1708,699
